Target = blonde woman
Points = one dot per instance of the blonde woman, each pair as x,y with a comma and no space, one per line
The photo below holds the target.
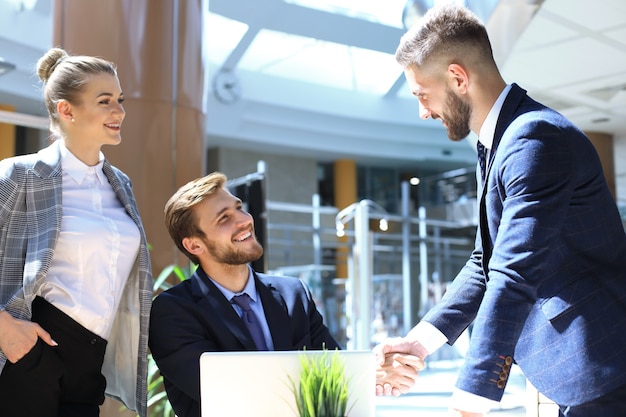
75,278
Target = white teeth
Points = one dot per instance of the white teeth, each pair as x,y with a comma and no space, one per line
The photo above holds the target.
244,237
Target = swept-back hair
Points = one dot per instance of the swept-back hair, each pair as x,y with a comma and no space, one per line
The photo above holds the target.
446,34
64,77
179,218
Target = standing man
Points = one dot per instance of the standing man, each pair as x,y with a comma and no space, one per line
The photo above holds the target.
203,314
546,283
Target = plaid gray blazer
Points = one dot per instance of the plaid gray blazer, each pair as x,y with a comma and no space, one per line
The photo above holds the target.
30,221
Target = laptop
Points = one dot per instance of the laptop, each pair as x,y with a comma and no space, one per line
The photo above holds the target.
256,384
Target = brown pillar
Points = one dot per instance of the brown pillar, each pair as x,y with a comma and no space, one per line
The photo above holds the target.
7,135
157,46
603,143
345,194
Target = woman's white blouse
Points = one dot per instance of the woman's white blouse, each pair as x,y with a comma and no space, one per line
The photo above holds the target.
96,249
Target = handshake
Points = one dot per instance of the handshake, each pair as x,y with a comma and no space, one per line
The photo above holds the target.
398,363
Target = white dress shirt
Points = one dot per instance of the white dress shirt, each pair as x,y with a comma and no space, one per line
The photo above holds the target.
95,251
488,129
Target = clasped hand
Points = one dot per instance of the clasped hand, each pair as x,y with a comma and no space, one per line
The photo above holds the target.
396,373
398,368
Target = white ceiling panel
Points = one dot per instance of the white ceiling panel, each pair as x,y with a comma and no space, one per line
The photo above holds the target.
618,35
567,62
543,31
593,15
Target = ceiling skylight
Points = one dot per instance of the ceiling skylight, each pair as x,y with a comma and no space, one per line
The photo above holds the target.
302,58
386,12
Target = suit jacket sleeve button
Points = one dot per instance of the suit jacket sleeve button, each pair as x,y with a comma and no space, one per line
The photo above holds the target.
508,360
501,383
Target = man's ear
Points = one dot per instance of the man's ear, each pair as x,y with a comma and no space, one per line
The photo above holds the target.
192,245
458,78
64,109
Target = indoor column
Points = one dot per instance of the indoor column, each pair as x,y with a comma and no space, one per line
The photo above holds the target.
345,183
7,135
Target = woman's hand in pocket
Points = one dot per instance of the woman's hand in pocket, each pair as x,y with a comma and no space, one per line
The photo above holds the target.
17,337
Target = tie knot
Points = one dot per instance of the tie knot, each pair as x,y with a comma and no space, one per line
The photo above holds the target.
242,300
250,320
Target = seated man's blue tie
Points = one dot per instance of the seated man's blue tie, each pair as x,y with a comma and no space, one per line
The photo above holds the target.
251,320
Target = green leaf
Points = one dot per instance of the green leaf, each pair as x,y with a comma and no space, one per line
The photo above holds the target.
323,386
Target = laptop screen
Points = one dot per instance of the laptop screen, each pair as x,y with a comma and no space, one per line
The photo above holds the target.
257,384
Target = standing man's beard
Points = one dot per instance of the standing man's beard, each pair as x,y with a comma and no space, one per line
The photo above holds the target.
232,256
457,116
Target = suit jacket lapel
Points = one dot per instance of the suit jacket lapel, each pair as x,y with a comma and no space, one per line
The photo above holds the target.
507,114
275,313
122,191
211,300
43,211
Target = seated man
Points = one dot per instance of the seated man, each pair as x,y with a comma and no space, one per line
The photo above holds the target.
201,314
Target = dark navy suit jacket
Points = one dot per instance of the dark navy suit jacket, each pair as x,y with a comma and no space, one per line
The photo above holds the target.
546,283
184,323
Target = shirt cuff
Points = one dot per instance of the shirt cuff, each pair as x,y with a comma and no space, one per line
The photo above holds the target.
428,336
465,401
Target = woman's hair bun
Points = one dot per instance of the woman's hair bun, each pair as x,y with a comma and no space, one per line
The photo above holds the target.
48,62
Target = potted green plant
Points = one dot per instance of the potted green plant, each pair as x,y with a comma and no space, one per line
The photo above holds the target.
322,390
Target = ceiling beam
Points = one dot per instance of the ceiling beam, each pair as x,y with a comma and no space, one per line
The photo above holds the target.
289,18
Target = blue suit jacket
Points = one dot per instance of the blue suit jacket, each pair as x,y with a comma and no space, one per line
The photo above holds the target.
184,323
546,283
